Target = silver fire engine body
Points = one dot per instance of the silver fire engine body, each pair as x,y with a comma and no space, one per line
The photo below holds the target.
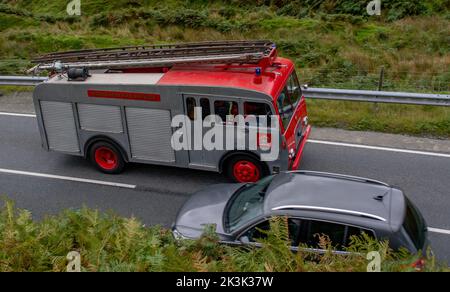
70,121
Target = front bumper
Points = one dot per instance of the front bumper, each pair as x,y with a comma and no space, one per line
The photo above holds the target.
298,156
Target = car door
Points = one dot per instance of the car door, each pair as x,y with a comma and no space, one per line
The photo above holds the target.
318,235
258,232
307,232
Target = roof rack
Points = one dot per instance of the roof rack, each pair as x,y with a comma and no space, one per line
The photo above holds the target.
259,52
330,210
341,176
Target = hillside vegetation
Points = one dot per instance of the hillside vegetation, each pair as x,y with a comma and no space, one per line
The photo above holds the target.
334,43
107,242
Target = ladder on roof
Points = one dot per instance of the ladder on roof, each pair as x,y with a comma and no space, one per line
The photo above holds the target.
219,52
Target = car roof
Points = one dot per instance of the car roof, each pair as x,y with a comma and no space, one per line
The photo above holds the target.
345,196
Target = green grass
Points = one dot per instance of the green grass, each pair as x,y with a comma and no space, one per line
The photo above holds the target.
424,121
334,44
107,242
13,89
14,21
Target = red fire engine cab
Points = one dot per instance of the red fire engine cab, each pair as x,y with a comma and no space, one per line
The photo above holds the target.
117,105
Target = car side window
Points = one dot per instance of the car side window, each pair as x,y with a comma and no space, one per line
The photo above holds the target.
312,232
340,235
259,231
294,231
356,231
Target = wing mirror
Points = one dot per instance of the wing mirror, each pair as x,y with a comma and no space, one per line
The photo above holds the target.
244,239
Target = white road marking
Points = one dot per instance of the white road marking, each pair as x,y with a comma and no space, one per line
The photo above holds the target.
380,148
68,178
437,230
129,186
121,185
17,115
362,146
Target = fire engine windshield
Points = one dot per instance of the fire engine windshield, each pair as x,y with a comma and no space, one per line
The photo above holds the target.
288,99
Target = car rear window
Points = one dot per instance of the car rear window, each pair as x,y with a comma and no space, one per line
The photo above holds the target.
414,225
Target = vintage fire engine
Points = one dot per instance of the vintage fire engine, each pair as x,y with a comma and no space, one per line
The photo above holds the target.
114,106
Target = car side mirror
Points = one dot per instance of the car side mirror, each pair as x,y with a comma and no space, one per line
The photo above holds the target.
244,239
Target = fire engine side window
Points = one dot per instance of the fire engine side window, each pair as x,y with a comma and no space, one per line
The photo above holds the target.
190,108
206,108
225,108
285,107
257,109
294,89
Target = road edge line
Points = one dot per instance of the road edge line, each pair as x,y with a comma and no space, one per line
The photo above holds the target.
68,178
380,148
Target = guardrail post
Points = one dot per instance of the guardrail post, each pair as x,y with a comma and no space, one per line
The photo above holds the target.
380,87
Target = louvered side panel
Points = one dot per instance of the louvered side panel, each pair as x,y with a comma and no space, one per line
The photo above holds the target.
150,134
60,126
100,118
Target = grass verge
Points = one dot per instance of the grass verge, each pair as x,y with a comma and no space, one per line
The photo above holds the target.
424,121
333,43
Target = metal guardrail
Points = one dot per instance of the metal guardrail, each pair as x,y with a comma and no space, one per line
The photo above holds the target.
378,96
312,93
21,80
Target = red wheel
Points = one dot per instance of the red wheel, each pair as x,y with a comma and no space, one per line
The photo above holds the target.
245,170
107,158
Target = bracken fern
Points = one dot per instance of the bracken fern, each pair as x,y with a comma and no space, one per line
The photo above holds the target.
108,242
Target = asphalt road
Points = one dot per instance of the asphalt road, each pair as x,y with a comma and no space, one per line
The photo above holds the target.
161,191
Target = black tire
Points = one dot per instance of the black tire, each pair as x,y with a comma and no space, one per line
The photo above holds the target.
254,165
113,168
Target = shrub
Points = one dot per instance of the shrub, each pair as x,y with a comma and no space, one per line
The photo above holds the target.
107,242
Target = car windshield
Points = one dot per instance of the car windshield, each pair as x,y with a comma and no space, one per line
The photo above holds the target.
414,225
246,204
288,99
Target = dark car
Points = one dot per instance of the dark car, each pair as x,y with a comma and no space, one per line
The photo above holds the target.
338,206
